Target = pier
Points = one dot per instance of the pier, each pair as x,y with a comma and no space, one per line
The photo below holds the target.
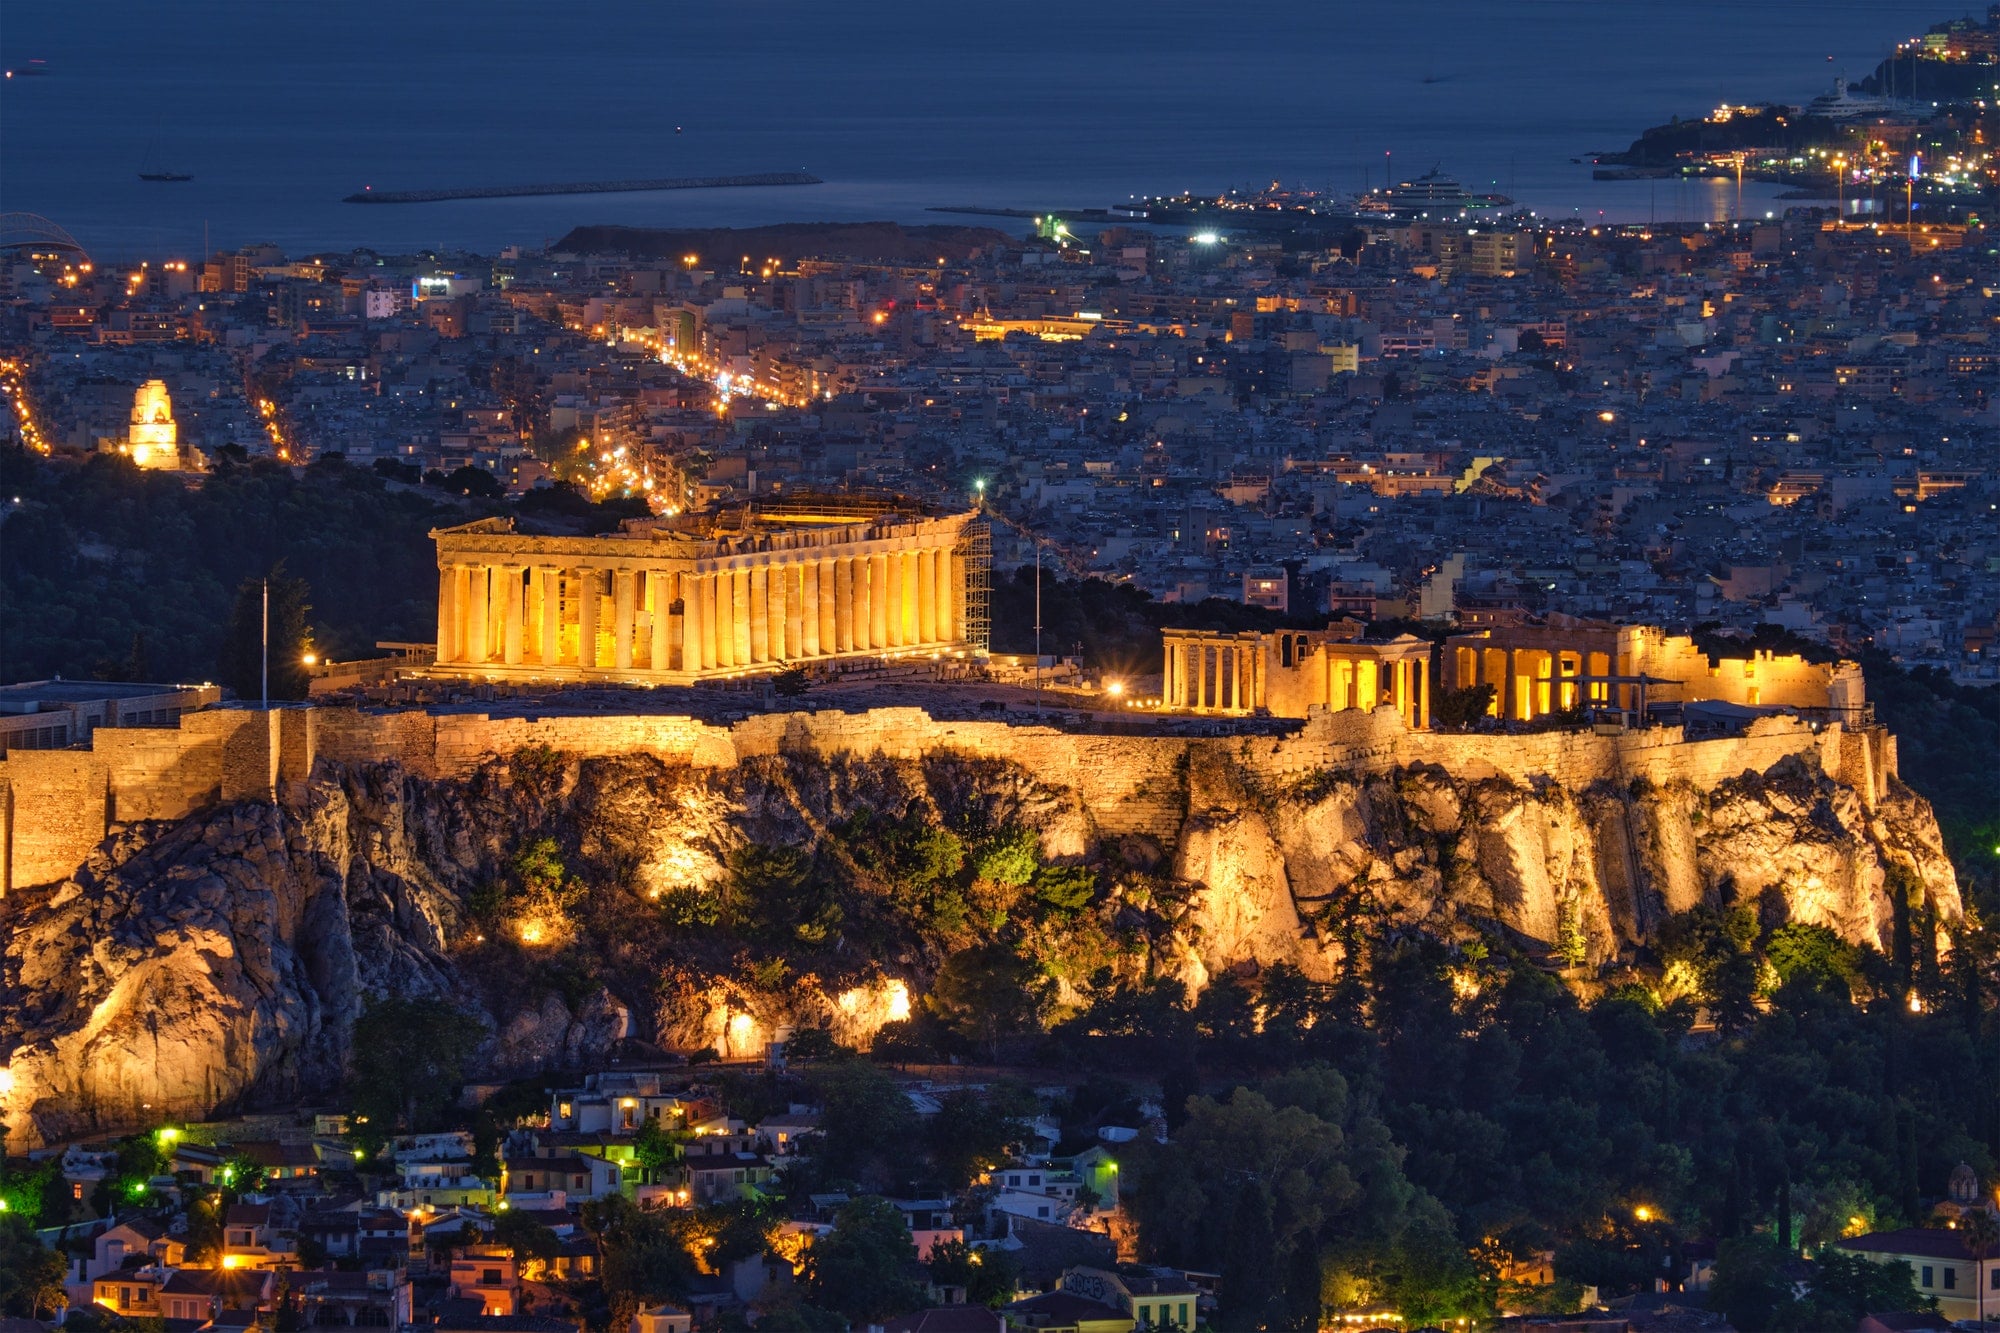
583,187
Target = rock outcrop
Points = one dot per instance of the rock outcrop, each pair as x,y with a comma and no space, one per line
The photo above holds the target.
221,960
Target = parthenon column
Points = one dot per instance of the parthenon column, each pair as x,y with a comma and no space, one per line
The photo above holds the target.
694,624
743,636
913,591
774,599
548,627
476,597
760,614
587,590
510,614
956,591
878,601
843,605
795,610
927,596
1510,704
660,590
1201,675
625,614
893,624
811,609
447,639
704,657
829,608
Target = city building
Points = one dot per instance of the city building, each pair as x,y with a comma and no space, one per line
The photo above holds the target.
1940,1266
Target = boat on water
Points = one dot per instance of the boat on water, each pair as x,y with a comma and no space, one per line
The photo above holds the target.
1431,194
149,171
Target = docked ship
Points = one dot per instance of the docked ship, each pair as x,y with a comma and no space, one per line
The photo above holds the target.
1432,194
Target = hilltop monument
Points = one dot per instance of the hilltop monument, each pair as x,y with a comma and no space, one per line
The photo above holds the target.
152,438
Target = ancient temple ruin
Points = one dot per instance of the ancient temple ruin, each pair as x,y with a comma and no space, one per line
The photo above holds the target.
693,597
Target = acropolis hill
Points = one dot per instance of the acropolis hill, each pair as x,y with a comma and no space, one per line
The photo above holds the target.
200,911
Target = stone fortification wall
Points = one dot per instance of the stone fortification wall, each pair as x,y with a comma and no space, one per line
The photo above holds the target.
59,804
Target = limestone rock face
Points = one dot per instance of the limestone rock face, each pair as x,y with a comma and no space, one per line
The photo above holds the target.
222,960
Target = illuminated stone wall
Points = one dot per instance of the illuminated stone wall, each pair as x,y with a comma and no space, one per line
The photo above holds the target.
61,803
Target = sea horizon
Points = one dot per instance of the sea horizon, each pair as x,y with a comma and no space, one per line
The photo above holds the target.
277,113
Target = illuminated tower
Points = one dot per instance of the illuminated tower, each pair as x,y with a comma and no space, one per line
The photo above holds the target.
153,439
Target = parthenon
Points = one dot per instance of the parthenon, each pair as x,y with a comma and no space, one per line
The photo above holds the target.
675,600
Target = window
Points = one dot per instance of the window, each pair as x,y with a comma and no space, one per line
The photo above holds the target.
1950,1279
489,1277
1926,1276
1995,1283
1183,1321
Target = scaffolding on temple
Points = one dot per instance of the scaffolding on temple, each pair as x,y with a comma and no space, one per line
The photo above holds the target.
975,544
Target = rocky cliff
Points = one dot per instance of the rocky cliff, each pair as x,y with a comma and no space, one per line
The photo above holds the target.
220,960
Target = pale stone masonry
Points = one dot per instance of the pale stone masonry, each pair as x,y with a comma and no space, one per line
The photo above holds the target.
1287,673
671,601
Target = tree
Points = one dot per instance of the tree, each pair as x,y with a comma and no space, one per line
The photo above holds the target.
241,664
645,1257
858,1268
1461,708
1980,1231
989,1276
525,1238
986,995
1273,1184
31,1275
408,1061
866,1124
654,1149
972,1131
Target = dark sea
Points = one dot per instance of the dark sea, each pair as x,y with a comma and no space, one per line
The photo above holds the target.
281,107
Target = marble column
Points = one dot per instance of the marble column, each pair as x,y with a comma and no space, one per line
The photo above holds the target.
760,614
625,615
477,599
829,612
548,623
843,605
587,591
795,611
447,635
878,601
927,596
740,604
694,625
660,591
780,629
951,596
912,597
715,607
725,618
1510,704
1201,676
893,624
510,614
812,610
